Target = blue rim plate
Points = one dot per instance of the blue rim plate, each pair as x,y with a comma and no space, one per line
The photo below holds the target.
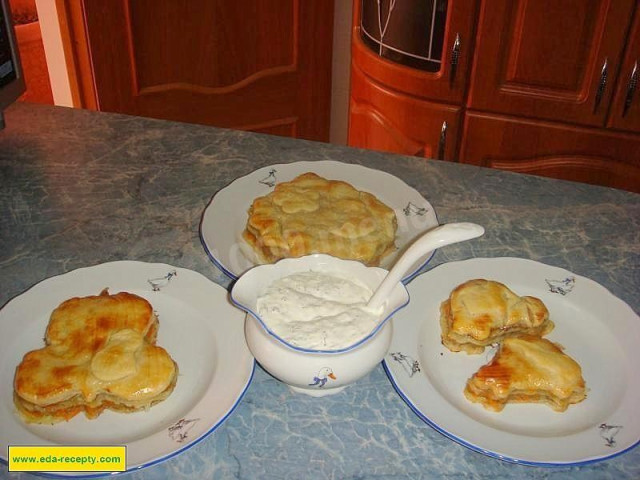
224,218
597,329
199,327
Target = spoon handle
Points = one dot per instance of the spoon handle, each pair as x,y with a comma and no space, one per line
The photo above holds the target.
437,237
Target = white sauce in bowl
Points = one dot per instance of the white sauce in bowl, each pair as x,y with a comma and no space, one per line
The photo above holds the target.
317,310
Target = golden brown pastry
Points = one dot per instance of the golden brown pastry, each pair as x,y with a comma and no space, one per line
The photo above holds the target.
482,312
99,354
311,214
527,369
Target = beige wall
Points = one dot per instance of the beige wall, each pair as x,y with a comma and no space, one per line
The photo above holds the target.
341,69
53,51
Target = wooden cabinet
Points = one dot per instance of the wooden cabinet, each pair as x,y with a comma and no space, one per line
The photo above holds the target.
625,109
551,149
548,91
401,109
545,87
448,82
254,65
387,120
549,59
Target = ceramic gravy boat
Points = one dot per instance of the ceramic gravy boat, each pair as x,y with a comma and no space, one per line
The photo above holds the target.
320,372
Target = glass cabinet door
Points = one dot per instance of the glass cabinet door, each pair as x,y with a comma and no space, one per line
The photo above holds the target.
409,32
419,47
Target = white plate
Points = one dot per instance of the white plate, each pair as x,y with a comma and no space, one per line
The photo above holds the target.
597,329
199,328
225,217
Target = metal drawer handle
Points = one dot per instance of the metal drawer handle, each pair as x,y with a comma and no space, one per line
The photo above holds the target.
631,88
601,85
455,58
443,141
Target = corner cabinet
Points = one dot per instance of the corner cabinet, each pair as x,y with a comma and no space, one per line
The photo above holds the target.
409,69
545,87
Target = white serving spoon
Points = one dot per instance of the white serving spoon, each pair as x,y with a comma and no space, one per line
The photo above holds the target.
438,237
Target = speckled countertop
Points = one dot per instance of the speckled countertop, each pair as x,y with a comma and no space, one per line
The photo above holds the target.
81,188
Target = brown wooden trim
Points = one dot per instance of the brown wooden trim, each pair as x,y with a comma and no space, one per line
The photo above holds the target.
77,53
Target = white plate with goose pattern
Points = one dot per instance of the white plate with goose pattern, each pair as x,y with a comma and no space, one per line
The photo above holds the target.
198,327
597,329
224,219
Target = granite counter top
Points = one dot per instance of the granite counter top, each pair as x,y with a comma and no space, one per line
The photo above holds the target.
81,188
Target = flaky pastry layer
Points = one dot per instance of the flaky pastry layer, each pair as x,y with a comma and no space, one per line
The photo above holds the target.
311,214
483,312
99,353
527,369
67,409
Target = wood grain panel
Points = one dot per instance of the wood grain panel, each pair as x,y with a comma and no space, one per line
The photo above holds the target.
222,32
548,149
623,116
384,119
543,59
371,129
286,127
545,35
246,64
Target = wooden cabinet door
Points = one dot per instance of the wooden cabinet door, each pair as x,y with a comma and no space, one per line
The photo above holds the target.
261,65
544,58
589,155
625,109
449,82
386,120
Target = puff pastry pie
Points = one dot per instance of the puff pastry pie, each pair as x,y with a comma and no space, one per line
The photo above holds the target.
527,369
481,312
100,353
311,214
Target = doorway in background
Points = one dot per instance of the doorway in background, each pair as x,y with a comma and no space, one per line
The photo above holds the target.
31,49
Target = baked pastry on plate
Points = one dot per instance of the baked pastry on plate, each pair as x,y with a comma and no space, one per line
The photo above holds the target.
527,369
311,214
100,353
482,312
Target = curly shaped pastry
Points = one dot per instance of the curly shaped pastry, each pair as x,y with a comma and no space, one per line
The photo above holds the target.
527,369
482,312
311,214
100,353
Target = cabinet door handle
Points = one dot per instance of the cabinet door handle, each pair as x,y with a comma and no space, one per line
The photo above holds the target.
631,88
601,85
455,58
442,143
